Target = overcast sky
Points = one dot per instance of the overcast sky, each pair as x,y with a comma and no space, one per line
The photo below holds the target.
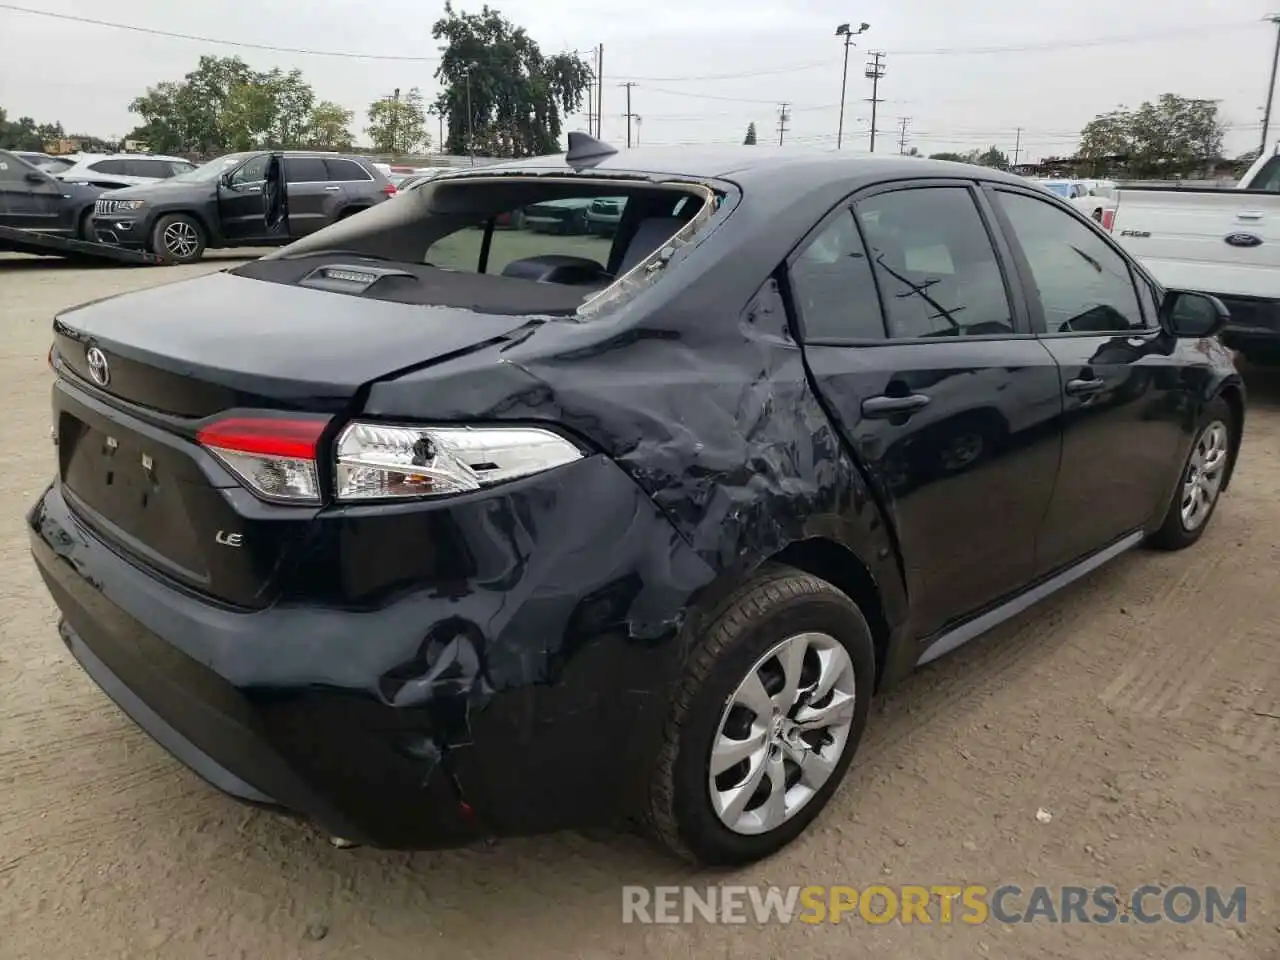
679,52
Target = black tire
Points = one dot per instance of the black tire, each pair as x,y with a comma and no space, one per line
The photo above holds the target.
779,602
84,229
1174,534
166,247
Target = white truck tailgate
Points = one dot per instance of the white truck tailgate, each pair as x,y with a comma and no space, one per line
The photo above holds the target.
1225,242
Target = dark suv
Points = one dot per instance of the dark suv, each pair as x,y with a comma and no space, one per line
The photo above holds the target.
220,204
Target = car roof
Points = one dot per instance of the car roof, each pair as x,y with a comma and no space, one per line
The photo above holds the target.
744,164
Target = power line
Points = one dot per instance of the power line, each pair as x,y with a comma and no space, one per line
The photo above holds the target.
1147,37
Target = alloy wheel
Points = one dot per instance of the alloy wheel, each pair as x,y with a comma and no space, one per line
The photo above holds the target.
180,239
1205,472
782,733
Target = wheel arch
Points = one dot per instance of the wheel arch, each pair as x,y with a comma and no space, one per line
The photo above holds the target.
846,571
1232,393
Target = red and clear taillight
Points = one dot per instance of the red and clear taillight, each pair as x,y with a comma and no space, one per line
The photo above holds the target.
276,457
380,461
390,190
1108,220
273,457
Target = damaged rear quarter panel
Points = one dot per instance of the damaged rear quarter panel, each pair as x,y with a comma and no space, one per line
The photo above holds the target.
697,389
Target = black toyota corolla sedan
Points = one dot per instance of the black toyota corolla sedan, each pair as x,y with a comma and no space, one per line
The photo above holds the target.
427,530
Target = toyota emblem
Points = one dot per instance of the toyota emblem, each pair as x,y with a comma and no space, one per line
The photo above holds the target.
99,370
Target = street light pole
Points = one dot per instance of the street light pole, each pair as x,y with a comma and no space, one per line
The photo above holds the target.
844,31
1271,87
471,133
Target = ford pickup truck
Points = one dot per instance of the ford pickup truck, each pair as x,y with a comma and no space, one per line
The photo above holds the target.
1220,241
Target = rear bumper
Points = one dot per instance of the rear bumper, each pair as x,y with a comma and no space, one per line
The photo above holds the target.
445,713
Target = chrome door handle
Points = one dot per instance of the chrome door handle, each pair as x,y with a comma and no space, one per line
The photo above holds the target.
877,408
333,189
1080,388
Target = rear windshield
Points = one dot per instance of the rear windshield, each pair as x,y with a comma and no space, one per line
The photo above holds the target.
574,238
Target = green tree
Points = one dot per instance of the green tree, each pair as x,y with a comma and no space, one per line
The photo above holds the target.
328,127
517,96
1173,136
750,139
224,105
993,156
397,124
947,155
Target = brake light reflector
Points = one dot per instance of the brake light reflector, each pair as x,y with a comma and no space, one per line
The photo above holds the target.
274,457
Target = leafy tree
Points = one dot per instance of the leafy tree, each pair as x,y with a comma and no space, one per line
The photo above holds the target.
328,127
946,155
398,124
25,134
1175,135
750,139
224,105
518,97
992,157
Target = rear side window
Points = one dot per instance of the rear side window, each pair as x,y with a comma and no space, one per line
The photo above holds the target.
1084,285
305,170
157,169
934,262
1268,177
345,170
832,285
109,166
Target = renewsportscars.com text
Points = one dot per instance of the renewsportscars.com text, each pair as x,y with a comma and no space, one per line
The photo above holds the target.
933,904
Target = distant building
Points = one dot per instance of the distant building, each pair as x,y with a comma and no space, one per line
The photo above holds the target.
136,146
63,146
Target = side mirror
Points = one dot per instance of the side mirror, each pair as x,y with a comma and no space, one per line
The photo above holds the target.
225,179
1191,316
33,177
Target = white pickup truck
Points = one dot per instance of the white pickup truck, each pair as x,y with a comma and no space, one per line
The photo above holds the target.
1220,241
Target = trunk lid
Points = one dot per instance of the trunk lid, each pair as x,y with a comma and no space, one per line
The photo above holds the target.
129,463
198,347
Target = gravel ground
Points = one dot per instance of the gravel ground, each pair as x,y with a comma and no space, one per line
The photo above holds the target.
1140,709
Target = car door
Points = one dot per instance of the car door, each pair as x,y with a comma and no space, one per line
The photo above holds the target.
917,339
240,201
310,190
356,186
1124,391
29,198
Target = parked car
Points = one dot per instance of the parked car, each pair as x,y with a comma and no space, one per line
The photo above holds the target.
1092,197
220,204
45,162
567,215
33,199
1220,241
429,553
604,215
115,171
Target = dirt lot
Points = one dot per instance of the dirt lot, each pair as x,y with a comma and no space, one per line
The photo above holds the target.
1141,709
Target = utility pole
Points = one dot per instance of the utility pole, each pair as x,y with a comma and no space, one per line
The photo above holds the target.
1017,148
784,114
471,133
629,84
874,71
844,31
902,135
639,119
1271,86
395,117
599,91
